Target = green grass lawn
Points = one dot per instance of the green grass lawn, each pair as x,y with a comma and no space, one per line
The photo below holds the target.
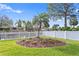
10,48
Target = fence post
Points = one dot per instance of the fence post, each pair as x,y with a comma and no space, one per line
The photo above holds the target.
5,35
65,34
28,34
2,36
19,34
55,33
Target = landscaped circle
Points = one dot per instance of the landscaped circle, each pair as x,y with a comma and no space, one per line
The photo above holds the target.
38,42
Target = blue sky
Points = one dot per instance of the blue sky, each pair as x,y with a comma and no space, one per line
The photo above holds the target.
22,11
26,11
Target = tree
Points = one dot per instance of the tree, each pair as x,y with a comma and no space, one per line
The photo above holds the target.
41,21
67,28
19,23
73,21
77,28
60,11
29,26
5,21
24,24
55,27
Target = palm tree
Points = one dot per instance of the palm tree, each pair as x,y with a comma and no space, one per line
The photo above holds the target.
41,19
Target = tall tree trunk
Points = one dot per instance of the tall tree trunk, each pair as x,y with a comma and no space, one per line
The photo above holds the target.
38,33
65,15
39,29
65,22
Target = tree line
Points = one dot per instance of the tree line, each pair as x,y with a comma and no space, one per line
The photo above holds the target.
56,11
64,11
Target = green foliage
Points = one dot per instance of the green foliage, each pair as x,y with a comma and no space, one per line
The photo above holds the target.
29,26
73,21
77,28
69,28
19,23
65,29
58,11
55,27
41,19
5,21
61,28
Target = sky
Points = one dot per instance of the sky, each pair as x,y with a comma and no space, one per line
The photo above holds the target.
26,11
22,11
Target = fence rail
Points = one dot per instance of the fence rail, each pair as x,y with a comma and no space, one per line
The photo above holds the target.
16,35
74,35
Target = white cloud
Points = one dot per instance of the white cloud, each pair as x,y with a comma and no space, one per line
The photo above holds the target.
17,11
77,10
8,8
59,20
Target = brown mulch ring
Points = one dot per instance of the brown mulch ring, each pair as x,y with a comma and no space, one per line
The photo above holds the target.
38,42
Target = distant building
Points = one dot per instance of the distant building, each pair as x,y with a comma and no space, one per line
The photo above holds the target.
8,29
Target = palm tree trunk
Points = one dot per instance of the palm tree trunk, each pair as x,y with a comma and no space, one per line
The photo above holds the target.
38,33
39,29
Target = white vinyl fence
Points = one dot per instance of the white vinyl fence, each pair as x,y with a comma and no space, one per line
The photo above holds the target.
17,35
74,35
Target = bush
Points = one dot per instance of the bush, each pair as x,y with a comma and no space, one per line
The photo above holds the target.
67,28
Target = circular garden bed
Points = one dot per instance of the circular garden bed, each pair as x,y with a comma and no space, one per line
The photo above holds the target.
38,42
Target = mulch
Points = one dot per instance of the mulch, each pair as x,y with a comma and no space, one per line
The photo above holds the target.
40,43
